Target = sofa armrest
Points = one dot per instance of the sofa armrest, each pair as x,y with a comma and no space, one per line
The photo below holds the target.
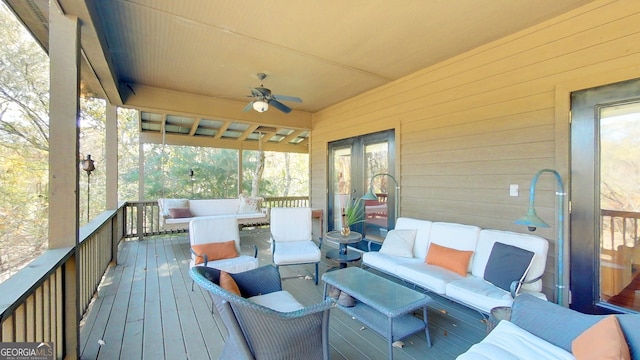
516,284
551,322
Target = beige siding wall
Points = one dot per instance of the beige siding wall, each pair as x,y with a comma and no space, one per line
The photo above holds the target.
471,125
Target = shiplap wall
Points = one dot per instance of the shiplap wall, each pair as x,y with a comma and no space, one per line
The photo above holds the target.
473,124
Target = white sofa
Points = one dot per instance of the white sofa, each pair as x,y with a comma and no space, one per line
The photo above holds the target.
247,215
471,290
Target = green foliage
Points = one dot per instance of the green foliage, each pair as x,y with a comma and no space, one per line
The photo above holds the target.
354,212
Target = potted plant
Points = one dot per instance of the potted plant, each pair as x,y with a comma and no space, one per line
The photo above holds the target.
353,213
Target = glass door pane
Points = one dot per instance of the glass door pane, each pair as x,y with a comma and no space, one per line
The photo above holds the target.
377,212
620,205
341,186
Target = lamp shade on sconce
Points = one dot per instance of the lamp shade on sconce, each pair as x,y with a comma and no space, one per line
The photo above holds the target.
532,220
370,195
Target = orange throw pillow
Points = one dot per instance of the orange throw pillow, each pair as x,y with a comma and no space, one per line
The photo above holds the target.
215,251
448,258
227,283
604,340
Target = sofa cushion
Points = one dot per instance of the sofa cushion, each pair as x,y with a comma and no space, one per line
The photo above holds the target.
209,207
296,252
387,263
227,283
249,204
233,265
456,236
507,341
507,264
423,229
281,301
430,277
166,204
399,242
533,243
477,293
215,251
180,213
449,258
602,341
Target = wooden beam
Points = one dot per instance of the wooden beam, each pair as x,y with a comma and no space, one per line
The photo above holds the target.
159,100
291,136
207,141
248,132
222,129
194,127
64,108
111,161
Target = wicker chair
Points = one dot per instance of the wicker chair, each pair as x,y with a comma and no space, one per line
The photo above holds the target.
258,332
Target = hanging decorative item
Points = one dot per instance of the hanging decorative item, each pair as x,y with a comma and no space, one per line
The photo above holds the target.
88,166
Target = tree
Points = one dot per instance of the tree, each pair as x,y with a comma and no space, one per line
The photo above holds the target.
24,145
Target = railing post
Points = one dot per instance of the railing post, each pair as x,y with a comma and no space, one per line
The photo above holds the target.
140,220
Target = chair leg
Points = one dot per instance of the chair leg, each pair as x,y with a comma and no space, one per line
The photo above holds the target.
192,285
316,273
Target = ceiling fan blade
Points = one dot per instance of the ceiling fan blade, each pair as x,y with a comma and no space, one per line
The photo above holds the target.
287,98
280,106
249,106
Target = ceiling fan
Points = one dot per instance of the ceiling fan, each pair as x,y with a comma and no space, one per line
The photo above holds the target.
262,99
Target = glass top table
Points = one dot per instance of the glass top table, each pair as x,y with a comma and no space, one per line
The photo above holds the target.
341,255
381,304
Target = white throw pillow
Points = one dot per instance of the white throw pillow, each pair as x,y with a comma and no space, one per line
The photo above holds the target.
399,242
249,204
168,204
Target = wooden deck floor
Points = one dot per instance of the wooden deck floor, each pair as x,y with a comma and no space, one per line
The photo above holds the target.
145,309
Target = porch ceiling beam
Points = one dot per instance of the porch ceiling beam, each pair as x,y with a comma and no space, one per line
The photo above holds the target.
248,132
160,100
292,136
99,73
222,130
194,127
204,141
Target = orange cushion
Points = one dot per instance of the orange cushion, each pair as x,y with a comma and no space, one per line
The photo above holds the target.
227,283
448,258
215,251
604,340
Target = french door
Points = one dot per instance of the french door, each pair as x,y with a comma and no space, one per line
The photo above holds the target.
352,164
605,188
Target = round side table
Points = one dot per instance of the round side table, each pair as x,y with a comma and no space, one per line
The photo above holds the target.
496,314
341,255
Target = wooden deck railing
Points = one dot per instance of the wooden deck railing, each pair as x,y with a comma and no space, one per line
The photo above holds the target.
37,302
619,228
149,219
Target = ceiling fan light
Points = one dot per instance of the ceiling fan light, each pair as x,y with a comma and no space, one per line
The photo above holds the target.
260,106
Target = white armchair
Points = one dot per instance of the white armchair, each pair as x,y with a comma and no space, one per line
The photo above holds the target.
210,237
291,239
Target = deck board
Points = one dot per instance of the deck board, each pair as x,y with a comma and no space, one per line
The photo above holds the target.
133,331
114,331
146,309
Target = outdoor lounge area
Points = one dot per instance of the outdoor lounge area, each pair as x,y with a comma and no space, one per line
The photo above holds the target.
396,102
145,309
